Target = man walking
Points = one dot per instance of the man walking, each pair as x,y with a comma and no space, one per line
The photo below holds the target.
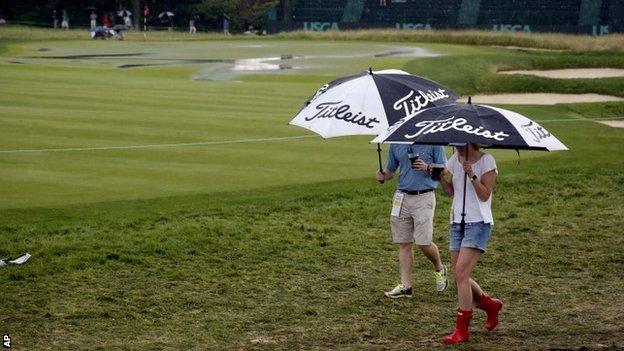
413,207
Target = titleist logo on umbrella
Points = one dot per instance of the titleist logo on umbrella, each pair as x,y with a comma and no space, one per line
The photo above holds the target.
319,92
536,131
342,112
411,103
459,124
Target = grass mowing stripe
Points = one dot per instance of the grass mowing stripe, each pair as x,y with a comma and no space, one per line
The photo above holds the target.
125,147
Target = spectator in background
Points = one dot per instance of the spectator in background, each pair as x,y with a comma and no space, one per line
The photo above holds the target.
226,25
2,20
169,21
192,29
55,19
382,3
106,22
146,12
93,19
127,21
65,22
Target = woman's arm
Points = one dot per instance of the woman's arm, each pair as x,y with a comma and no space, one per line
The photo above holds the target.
485,185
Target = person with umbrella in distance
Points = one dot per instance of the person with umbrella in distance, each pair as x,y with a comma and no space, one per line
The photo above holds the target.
414,202
167,19
467,246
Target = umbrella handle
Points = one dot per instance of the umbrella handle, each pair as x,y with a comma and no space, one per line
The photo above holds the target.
379,157
462,226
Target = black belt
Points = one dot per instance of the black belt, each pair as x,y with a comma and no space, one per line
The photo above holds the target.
415,192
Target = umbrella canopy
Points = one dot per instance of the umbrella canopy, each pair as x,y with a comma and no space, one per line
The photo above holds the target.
368,103
98,32
166,13
478,124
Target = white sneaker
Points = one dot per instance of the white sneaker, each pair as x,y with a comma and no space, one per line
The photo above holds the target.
441,279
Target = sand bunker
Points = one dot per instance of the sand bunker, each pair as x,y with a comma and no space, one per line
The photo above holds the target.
521,48
574,73
614,123
87,56
540,99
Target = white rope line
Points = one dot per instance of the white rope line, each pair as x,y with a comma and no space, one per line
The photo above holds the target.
239,141
578,119
129,147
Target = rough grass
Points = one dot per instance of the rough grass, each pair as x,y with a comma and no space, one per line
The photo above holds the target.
304,268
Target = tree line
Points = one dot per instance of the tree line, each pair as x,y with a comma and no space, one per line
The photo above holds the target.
208,14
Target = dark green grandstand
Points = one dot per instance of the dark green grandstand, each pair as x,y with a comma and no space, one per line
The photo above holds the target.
570,16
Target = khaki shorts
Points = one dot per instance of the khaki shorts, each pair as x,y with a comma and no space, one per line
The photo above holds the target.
415,222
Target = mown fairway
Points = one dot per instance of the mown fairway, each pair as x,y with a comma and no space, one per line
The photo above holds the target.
172,207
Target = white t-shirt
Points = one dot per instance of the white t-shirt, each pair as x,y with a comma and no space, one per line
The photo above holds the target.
476,210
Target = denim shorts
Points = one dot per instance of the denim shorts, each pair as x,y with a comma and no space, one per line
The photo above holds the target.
476,235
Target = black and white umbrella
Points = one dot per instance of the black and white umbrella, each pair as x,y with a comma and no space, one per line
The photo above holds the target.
368,103
477,124
166,13
124,13
487,126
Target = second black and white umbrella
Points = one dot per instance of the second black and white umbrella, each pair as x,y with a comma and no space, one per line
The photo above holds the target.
477,124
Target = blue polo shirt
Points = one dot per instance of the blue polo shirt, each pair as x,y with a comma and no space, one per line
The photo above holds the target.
410,179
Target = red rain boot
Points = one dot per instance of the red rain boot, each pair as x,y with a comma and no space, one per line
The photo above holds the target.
491,307
462,328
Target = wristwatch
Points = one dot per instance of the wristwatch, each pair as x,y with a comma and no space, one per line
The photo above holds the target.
474,177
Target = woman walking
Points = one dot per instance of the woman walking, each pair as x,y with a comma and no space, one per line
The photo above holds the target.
467,247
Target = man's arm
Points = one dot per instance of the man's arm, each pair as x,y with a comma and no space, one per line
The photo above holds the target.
385,175
447,183
393,162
